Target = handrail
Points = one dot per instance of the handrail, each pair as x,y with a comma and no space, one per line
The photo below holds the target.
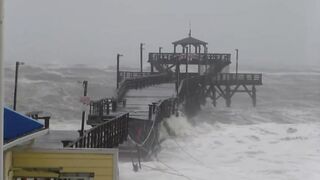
221,79
234,78
102,107
105,135
197,58
129,74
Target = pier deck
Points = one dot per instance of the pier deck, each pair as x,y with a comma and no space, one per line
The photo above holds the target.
137,100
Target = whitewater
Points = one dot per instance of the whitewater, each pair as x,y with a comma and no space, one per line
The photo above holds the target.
279,139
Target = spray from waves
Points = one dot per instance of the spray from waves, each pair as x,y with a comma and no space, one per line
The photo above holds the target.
216,150
56,90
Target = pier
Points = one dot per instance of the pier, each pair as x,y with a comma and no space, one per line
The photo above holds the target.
131,119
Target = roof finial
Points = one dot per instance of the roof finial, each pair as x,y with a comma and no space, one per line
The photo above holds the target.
189,28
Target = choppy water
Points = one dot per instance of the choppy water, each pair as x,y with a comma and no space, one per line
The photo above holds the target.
279,139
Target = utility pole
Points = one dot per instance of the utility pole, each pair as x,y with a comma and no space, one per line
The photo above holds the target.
237,58
160,50
85,88
118,69
1,90
16,85
141,57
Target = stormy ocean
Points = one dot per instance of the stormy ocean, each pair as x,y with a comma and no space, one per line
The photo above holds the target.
279,139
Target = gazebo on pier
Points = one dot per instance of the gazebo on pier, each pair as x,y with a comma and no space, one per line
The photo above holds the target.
188,42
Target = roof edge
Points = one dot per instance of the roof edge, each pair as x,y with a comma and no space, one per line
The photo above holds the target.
25,138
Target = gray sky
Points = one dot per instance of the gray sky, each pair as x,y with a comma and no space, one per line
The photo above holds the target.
94,31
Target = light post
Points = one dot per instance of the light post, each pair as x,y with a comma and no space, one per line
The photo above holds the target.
16,85
118,69
237,58
141,57
85,90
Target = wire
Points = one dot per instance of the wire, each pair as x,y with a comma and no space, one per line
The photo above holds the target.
187,153
165,171
173,169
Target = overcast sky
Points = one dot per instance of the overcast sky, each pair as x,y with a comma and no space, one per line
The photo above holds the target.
94,31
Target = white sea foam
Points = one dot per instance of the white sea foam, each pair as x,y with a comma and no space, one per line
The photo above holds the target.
230,151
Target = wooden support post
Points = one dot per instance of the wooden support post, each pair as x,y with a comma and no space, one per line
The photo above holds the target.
187,58
177,76
46,122
108,107
150,111
254,98
214,96
154,107
228,96
151,63
118,69
124,102
114,105
139,157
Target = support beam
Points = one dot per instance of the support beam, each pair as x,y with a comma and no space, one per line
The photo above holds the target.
228,96
177,77
214,94
235,90
247,90
254,97
221,92
151,63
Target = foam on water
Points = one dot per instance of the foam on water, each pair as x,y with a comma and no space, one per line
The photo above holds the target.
214,150
279,139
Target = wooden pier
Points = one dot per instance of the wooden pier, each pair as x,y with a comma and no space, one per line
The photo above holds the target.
144,99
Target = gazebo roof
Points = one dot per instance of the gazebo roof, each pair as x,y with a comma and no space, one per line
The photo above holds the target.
189,40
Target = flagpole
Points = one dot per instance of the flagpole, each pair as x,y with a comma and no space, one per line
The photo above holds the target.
1,89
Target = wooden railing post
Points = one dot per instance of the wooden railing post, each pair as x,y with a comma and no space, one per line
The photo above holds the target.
150,111
108,106
114,105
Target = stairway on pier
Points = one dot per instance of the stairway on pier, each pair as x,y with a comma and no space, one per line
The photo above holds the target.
137,100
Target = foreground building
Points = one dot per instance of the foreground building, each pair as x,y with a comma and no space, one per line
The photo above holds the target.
33,151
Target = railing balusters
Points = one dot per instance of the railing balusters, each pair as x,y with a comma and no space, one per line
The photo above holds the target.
107,134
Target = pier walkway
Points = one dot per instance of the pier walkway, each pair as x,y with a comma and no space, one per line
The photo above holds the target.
138,100
144,99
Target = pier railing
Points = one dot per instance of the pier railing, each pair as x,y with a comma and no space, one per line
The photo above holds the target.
130,75
105,135
100,110
239,78
202,58
162,109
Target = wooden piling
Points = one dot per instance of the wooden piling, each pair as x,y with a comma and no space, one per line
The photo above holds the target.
228,96
254,97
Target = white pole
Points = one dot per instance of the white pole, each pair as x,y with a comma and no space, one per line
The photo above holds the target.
1,89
